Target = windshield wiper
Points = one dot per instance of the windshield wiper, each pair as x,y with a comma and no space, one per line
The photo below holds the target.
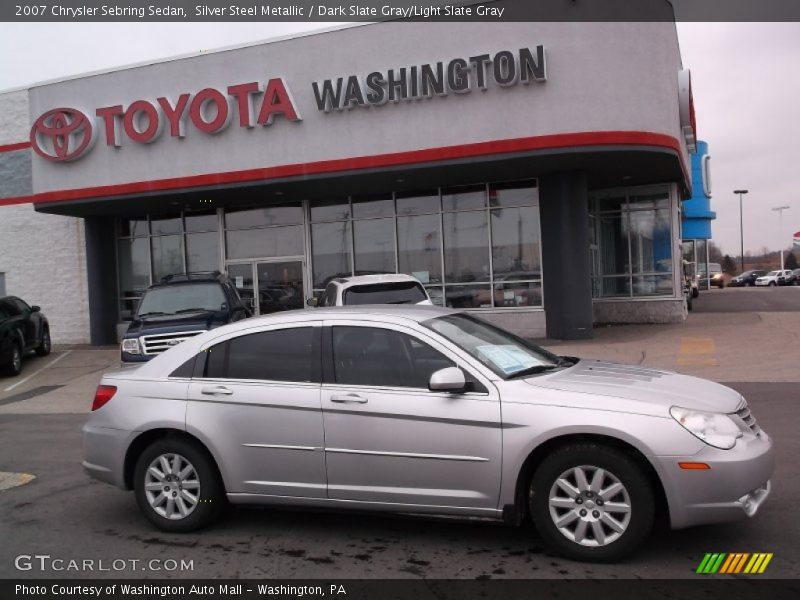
533,370
155,313
186,310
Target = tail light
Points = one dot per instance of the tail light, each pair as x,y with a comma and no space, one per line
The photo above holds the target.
103,394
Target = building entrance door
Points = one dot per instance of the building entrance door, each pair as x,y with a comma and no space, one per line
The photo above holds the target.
272,285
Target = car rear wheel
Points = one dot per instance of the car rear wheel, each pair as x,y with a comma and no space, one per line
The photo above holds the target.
44,347
14,365
591,502
177,486
772,284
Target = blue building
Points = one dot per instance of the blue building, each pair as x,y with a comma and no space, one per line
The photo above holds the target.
697,214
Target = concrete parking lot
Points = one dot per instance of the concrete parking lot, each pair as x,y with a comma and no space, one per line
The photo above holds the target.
67,515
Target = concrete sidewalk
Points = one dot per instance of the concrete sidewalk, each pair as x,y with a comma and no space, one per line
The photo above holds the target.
724,347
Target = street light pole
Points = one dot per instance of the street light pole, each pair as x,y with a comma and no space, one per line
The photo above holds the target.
780,210
741,225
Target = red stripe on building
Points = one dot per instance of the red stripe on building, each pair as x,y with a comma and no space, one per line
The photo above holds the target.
14,147
497,147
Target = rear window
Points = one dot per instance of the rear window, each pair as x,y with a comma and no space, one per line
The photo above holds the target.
401,292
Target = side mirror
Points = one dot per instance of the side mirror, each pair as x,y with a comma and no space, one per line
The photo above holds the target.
35,308
450,379
313,302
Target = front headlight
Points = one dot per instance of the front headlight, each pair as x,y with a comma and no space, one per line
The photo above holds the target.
131,346
715,429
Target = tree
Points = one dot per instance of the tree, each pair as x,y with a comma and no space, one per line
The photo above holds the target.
790,261
714,253
728,266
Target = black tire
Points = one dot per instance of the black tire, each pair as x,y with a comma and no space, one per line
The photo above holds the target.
43,349
14,365
613,462
211,496
772,284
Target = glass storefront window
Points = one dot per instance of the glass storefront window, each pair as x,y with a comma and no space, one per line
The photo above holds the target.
134,266
419,247
134,228
373,242
330,210
373,206
418,203
464,198
201,222
468,296
164,225
288,214
330,250
510,293
632,244
266,242
167,255
466,246
512,195
515,243
202,251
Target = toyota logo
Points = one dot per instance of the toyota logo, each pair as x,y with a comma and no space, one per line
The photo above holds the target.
62,134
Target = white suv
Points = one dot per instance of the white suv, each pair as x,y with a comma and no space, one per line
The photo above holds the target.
773,278
373,289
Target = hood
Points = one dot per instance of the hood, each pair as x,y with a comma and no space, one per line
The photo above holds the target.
206,319
655,388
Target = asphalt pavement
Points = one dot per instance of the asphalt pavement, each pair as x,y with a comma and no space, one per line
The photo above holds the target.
748,299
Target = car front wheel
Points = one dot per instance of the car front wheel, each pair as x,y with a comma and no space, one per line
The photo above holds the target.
44,348
591,502
177,486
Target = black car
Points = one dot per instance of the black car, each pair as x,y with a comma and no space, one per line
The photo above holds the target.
23,328
748,278
179,307
793,278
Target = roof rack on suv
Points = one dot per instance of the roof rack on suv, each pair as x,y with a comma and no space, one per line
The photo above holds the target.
190,275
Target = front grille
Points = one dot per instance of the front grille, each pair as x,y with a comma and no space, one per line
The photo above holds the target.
745,415
161,342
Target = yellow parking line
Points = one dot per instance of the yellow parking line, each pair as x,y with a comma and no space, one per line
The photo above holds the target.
10,480
697,351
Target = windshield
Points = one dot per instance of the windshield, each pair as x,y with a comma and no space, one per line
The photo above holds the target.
501,351
772,273
185,297
400,292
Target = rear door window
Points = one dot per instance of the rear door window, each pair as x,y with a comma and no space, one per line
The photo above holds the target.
280,355
401,292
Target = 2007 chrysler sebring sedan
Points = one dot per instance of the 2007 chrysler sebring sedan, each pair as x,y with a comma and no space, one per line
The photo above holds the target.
424,410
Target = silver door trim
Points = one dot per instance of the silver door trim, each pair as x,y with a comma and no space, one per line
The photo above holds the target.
410,455
283,447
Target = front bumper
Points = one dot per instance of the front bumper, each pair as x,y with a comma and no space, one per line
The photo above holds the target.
127,357
735,486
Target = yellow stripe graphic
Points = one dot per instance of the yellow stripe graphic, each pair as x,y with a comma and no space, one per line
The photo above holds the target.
765,563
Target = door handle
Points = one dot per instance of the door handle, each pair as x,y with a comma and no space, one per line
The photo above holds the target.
216,390
349,398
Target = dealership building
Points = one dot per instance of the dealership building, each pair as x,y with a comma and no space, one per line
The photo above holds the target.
531,172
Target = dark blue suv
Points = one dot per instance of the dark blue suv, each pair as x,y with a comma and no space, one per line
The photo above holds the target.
177,308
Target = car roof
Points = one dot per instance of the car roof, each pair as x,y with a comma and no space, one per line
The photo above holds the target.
413,312
373,279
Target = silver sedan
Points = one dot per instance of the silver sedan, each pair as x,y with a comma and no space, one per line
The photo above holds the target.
424,410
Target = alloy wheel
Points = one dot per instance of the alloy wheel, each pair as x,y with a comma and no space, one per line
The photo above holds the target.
590,506
172,486
16,360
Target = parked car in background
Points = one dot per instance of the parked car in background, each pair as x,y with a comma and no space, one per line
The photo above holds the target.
23,329
747,278
794,278
421,409
390,288
177,308
773,278
714,276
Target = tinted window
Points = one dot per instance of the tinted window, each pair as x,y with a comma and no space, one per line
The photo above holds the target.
382,357
21,306
282,355
3,311
9,308
403,292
